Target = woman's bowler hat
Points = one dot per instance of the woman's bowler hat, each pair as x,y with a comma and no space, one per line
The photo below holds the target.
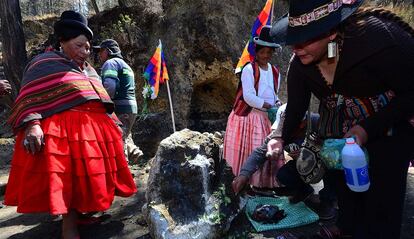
264,38
71,20
308,19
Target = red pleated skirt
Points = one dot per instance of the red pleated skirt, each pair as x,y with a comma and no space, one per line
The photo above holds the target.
81,166
243,135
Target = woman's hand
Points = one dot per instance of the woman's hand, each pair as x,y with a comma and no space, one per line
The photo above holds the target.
278,103
361,136
5,87
34,138
266,105
275,148
239,183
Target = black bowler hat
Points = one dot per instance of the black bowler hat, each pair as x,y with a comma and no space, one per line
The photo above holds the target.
264,38
73,22
112,46
308,19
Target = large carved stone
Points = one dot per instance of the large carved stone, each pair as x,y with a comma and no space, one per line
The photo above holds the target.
189,188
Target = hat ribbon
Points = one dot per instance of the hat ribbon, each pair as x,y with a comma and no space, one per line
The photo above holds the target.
318,13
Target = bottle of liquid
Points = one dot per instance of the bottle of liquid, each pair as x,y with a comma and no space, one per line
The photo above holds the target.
355,166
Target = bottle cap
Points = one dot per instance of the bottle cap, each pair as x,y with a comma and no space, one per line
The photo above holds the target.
350,141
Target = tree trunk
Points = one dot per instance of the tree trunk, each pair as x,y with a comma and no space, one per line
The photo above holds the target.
95,6
13,43
121,3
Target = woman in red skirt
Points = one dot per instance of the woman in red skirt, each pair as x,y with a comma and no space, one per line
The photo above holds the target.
248,123
68,156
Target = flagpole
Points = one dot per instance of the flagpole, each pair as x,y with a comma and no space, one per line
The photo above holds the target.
273,11
171,107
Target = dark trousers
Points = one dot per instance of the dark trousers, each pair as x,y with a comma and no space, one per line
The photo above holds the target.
289,176
377,213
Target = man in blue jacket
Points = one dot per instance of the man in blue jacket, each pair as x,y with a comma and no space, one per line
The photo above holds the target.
118,80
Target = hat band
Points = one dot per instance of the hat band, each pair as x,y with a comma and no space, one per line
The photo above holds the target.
318,13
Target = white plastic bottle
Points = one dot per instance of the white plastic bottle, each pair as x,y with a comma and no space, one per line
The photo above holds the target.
355,166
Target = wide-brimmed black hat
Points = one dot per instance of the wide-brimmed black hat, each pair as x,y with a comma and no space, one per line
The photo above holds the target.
73,22
112,46
308,19
264,38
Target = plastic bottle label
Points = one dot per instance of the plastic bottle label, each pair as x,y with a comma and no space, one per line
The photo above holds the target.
362,175
348,176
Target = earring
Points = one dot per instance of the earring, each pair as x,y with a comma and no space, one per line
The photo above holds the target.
332,49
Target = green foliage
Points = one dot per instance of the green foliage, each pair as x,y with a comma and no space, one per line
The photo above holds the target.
124,29
215,218
188,157
221,194
124,23
146,94
218,217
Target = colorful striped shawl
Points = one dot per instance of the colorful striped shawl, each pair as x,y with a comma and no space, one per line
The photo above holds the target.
52,83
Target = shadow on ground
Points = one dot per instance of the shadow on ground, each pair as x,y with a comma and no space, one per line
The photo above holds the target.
126,220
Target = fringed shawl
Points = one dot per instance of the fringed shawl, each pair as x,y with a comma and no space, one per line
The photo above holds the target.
52,83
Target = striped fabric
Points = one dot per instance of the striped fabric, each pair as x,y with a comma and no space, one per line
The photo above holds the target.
81,166
243,135
119,79
114,73
331,117
240,107
52,83
340,113
110,73
156,72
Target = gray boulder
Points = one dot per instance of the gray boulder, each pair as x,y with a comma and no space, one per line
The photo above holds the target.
189,188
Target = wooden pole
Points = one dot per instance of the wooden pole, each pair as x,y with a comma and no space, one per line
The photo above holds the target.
273,11
171,106
95,6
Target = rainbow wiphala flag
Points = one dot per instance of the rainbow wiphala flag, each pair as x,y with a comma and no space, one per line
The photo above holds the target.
156,71
264,18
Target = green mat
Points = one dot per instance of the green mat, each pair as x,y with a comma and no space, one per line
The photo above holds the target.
296,214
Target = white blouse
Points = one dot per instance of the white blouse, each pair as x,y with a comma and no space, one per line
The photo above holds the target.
266,89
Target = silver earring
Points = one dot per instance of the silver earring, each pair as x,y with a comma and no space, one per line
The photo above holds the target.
332,49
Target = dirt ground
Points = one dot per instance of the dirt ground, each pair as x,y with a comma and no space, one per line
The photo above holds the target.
127,221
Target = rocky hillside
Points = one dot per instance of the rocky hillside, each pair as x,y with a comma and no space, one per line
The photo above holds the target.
202,39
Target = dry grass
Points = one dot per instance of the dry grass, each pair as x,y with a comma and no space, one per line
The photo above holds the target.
39,18
405,11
